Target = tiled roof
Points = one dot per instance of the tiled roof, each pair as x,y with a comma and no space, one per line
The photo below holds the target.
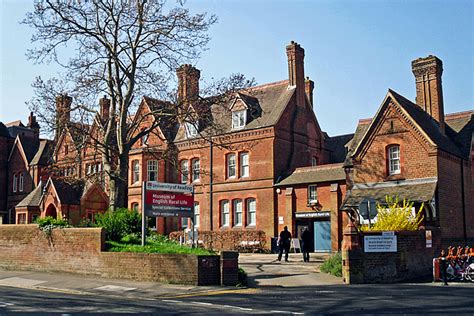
44,153
32,199
415,190
167,123
270,101
69,192
317,174
352,144
4,131
430,126
457,121
463,123
337,147
30,146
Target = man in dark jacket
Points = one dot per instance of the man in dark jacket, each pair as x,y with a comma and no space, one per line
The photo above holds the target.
306,241
284,243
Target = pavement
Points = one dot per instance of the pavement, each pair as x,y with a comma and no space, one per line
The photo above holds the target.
263,271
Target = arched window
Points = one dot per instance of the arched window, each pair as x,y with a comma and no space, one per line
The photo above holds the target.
231,166
135,171
196,169
135,206
184,171
237,209
225,213
21,185
15,183
244,165
393,153
251,212
152,170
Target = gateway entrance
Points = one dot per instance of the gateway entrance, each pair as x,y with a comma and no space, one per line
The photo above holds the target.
319,225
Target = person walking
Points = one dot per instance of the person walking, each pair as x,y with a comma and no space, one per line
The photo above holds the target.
284,243
306,244
443,267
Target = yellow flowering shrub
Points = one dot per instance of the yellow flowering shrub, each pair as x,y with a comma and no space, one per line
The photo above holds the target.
396,215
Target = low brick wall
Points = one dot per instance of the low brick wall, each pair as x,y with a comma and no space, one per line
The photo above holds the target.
412,260
80,250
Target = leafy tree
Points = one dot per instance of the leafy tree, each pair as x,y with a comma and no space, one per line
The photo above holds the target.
123,49
396,215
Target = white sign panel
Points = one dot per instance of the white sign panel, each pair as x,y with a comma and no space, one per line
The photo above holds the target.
280,220
380,243
168,187
429,239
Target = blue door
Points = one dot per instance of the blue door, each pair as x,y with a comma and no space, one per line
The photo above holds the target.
322,236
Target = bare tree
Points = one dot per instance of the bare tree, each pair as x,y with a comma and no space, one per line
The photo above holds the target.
122,49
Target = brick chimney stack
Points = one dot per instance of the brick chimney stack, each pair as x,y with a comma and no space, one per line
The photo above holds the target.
33,124
188,83
63,112
295,55
429,92
308,88
104,105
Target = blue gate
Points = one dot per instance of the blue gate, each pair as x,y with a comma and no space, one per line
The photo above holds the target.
322,236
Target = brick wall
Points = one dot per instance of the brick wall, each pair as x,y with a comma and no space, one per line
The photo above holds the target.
412,260
80,250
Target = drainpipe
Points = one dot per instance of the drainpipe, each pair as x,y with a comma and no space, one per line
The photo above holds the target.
210,183
463,204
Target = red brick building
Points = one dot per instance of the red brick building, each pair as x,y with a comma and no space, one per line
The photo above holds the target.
417,152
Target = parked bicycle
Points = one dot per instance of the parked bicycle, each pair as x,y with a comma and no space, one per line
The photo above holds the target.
460,264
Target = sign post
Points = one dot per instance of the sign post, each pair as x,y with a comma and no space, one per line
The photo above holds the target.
166,200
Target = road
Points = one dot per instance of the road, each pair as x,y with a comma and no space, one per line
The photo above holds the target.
326,299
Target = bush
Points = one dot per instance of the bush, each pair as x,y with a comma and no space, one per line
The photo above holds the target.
117,224
242,277
396,215
333,265
48,223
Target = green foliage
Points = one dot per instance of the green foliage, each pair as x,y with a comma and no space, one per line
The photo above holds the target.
333,265
242,276
119,223
48,223
155,243
396,215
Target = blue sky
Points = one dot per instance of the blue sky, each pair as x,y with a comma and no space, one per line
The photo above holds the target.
355,51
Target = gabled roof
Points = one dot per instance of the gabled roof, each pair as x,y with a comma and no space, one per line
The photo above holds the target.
27,146
271,98
427,125
68,192
337,147
167,123
44,154
34,198
463,124
4,131
316,174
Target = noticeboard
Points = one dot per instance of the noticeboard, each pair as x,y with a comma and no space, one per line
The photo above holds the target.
168,200
384,243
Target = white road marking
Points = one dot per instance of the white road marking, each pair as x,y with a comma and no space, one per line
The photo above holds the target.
172,301
202,303
115,288
20,282
5,304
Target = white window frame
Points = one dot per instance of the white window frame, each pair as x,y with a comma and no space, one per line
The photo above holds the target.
191,130
184,166
184,222
312,193
244,164
152,167
196,169
15,183
135,171
314,161
225,213
239,118
21,182
237,209
251,210
231,167
197,214
394,165
145,139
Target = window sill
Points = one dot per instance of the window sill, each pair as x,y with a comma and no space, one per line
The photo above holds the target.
395,177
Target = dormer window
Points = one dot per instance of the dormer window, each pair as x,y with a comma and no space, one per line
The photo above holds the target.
191,130
238,119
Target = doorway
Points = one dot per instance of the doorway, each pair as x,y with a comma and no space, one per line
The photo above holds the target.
322,236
